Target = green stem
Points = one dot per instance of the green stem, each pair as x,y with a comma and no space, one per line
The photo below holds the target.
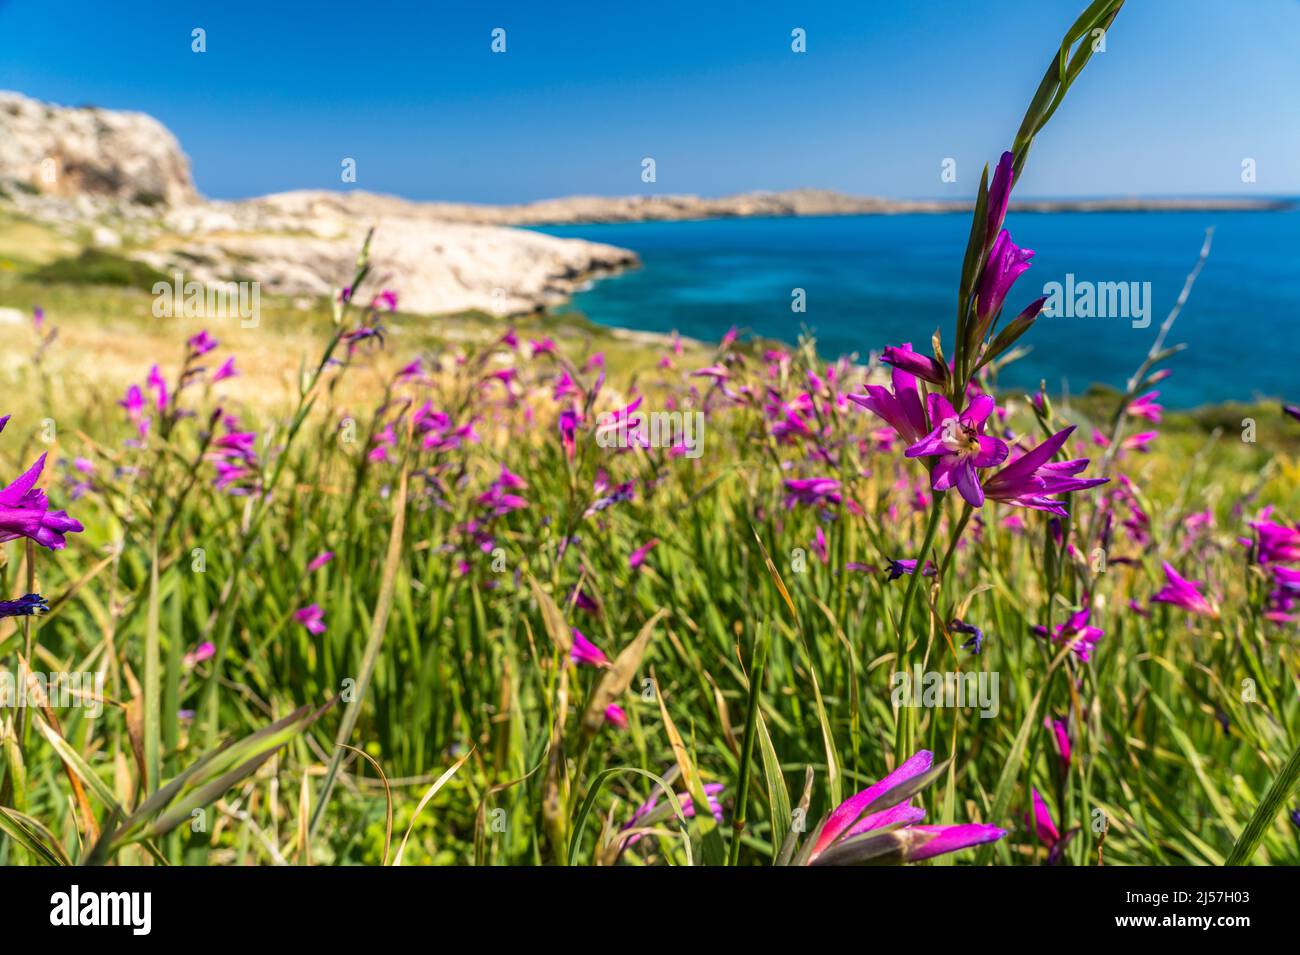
1266,811
747,747
936,512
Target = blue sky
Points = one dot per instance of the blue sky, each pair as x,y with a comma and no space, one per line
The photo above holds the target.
1184,92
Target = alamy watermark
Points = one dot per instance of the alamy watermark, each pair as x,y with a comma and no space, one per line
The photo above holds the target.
83,690
931,689
1085,299
214,301
681,431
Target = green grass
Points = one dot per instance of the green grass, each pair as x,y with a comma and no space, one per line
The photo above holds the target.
97,267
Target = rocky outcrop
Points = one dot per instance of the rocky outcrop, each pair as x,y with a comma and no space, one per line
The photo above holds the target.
65,151
436,267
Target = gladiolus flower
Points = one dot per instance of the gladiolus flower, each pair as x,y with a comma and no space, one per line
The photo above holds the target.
812,491
614,714
1043,824
999,195
960,445
204,651
1075,631
25,512
716,372
1032,479
1006,263
319,561
227,370
638,556
159,386
915,363
900,408
1062,733
584,651
651,812
200,344
897,568
976,642
311,617
1146,407
24,606
857,832
1184,593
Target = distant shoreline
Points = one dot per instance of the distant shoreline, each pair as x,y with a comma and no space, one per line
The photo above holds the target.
797,203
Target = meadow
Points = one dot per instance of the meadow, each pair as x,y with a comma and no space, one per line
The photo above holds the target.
384,590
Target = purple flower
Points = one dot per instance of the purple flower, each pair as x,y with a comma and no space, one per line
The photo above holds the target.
897,568
1184,593
159,386
227,370
900,408
812,491
311,617
25,512
200,344
1032,479
1277,543
133,402
1146,407
1006,263
999,195
637,557
498,499
1075,631
1292,410
1062,733
1043,824
976,642
961,446
569,421
614,714
319,561
24,606
584,651
915,363
204,651
650,812
855,832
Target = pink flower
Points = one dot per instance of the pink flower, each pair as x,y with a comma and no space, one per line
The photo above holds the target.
901,408
1146,407
200,344
1184,593
857,832
319,561
614,714
961,446
1034,479
1062,733
227,370
1075,631
584,651
637,557
159,386
1043,824
25,512
204,651
311,617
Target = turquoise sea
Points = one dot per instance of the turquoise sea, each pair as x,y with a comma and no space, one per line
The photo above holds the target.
872,281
